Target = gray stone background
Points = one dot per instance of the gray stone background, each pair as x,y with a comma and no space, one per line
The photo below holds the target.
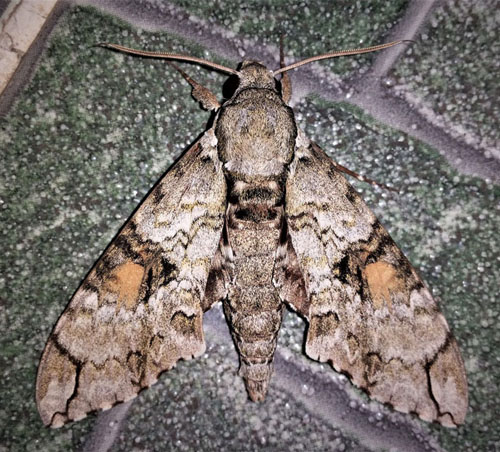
85,133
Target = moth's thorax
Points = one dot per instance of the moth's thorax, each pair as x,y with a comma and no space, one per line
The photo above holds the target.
256,134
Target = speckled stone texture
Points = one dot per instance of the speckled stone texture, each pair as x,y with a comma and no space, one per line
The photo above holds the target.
92,131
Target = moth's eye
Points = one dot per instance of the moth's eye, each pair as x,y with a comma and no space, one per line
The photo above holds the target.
230,86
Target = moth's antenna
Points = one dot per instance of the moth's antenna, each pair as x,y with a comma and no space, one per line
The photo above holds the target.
168,56
338,53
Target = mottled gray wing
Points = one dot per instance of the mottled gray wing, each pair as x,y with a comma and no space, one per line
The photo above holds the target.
369,313
140,308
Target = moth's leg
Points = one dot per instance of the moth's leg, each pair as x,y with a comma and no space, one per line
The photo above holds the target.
204,96
360,177
286,83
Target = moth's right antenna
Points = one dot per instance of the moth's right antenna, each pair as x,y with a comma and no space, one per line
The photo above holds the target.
168,56
339,53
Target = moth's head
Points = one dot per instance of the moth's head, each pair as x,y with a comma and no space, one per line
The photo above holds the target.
252,74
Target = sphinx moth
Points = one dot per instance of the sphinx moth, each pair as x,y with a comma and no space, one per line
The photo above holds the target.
256,216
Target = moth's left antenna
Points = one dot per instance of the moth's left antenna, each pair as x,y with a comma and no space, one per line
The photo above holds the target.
168,56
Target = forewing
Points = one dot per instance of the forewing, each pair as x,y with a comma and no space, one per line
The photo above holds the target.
140,308
370,315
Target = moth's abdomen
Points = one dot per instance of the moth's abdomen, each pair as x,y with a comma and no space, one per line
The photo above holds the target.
253,307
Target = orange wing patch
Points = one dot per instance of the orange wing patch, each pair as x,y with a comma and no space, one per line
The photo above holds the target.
125,281
382,279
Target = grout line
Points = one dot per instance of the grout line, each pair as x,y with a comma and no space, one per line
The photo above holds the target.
408,27
20,25
329,400
106,428
384,104
22,21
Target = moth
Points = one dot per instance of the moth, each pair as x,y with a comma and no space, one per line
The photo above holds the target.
254,215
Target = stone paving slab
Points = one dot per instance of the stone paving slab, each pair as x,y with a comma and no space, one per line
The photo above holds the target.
20,24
